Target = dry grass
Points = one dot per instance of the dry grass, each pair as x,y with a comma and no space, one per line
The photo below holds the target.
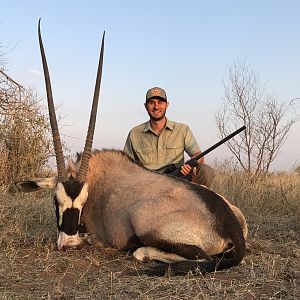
31,268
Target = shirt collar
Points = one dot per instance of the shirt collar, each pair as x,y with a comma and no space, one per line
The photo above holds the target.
170,124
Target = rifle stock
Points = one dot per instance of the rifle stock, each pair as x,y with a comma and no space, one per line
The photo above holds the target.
193,162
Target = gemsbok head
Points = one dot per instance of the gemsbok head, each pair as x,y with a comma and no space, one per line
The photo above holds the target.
71,190
126,206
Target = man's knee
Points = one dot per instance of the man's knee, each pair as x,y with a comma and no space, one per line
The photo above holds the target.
205,175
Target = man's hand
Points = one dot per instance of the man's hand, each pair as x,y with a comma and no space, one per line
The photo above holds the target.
186,169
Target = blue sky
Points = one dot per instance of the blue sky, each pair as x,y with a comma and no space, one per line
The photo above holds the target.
186,47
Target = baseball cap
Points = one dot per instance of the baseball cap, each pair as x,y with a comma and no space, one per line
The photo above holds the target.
156,92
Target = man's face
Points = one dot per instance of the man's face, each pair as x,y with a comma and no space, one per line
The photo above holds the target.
156,109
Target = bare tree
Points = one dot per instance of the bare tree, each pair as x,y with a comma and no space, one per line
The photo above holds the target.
267,121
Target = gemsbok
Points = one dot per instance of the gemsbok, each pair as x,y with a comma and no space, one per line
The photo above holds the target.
126,206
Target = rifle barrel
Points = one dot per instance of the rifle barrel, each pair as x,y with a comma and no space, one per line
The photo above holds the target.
219,143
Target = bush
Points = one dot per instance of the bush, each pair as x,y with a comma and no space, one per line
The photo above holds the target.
25,137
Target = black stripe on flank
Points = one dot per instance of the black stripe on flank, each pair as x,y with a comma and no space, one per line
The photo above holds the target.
191,252
227,224
226,221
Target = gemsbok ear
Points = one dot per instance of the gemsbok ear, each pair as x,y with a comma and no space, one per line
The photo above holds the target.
34,185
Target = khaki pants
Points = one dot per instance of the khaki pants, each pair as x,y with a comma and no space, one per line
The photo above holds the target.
204,175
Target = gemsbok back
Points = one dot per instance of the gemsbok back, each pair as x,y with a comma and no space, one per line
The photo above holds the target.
157,216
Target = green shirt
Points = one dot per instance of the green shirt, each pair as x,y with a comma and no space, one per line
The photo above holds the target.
157,152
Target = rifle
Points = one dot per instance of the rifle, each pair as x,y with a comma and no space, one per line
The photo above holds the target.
193,162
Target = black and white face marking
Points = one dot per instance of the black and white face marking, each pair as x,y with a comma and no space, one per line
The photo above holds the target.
69,199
